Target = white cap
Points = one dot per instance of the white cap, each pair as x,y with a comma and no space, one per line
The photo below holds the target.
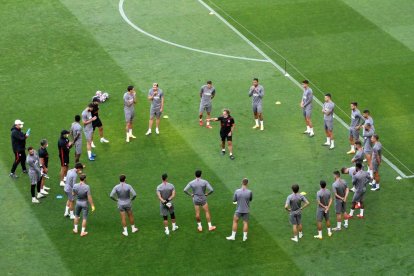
18,122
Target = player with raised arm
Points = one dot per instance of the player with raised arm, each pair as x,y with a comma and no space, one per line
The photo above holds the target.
293,206
226,132
166,193
83,195
357,121
199,194
340,191
328,111
207,93
306,105
156,96
324,201
129,110
257,92
97,123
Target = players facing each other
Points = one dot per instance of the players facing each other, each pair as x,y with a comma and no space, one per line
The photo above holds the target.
166,193
87,120
357,121
256,91
294,206
64,146
124,194
97,123
156,96
18,141
129,111
226,132
71,179
81,191
242,197
324,201
340,191
207,93
328,111
306,105
199,194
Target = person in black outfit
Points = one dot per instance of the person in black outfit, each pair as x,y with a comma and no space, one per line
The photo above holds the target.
97,123
44,163
64,146
18,140
226,132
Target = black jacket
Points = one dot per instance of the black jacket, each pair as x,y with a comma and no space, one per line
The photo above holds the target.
18,139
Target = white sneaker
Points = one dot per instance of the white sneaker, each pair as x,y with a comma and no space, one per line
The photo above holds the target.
62,184
332,147
127,138
167,231
34,200
72,216
125,233
199,229
66,214
45,188
353,189
300,235
103,140
311,134
337,229
244,238
230,238
148,132
93,145
318,237
294,239
261,127
255,126
326,144
157,131
305,132
329,234
40,195
132,136
44,192
134,230
346,226
174,228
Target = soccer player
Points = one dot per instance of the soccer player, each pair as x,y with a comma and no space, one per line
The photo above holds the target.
83,195
97,123
207,93
64,146
306,105
376,161
359,154
226,132
125,194
328,111
293,206
324,200
360,179
87,120
367,133
340,191
257,91
18,140
242,197
156,96
129,110
71,179
44,164
357,121
76,133
350,171
199,194
166,193
368,119
34,174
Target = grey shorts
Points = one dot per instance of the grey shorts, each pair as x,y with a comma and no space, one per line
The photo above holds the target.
328,125
155,112
69,195
307,112
199,202
129,116
257,108
375,166
83,209
164,210
340,207
243,216
354,133
78,147
124,207
34,178
368,151
295,218
320,215
205,107
358,196
88,134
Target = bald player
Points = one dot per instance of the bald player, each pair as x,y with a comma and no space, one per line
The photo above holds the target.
293,206
71,179
207,93
83,195
199,194
324,201
357,121
256,91
328,111
376,161
242,197
124,194
166,193
156,96
340,191
87,120
306,105
360,179
129,109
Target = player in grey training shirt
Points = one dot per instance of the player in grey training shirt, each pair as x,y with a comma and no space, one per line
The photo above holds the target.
256,91
324,201
340,192
360,179
328,111
87,120
156,96
71,178
82,193
306,105
293,206
376,161
199,194
207,93
129,109
368,119
76,133
123,194
242,197
359,154
367,134
166,193
357,121
33,162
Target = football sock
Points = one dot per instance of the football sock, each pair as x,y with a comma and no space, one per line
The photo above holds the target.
89,153
329,229
351,213
75,227
257,122
338,225
361,212
307,128
199,224
125,229
261,123
320,233
328,140
332,143
174,224
66,210
209,224
244,234
345,222
71,213
83,229
166,228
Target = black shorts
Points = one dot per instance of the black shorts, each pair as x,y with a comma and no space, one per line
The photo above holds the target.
64,162
96,123
225,135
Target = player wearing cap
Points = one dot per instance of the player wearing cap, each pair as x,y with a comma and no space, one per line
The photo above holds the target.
64,146
328,111
340,191
293,206
97,123
71,179
376,161
125,194
83,195
76,133
166,193
306,105
242,197
357,121
257,92
199,194
226,132
156,96
87,120
44,164
324,201
18,140
34,174
129,110
207,93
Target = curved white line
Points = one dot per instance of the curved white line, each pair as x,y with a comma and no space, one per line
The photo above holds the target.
121,11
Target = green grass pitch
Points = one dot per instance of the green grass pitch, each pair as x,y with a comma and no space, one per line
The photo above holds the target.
55,54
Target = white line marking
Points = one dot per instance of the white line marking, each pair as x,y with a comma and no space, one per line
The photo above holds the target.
122,12
278,67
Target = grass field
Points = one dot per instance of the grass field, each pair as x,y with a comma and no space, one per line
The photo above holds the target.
56,54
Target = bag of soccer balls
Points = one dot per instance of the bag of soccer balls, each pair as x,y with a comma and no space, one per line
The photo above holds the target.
101,96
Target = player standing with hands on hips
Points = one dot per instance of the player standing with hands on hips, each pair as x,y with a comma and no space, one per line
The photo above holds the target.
257,92
18,139
306,105
207,93
156,96
226,132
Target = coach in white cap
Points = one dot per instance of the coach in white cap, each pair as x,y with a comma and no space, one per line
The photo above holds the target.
18,140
